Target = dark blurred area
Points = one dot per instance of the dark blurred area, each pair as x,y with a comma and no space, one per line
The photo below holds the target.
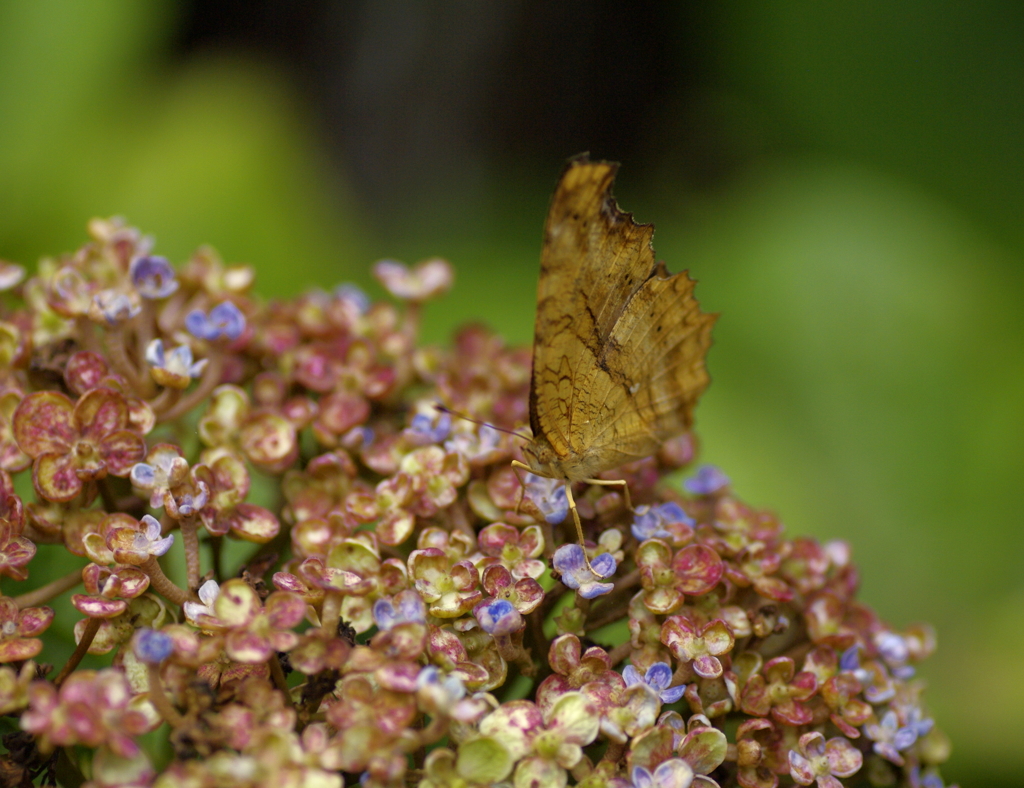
844,179
415,97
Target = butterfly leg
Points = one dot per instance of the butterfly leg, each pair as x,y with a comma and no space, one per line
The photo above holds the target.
516,467
576,520
613,482
520,466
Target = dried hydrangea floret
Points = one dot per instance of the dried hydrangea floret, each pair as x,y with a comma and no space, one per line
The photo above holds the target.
820,761
19,630
658,677
15,551
673,773
174,369
11,275
708,480
164,469
135,545
407,607
570,562
426,280
72,443
92,707
153,276
549,496
224,321
664,521
152,646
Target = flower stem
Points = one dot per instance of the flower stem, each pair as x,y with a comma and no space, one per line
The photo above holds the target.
162,584
159,699
619,653
607,614
413,313
330,613
549,538
277,674
627,582
86,334
538,645
118,355
91,628
613,606
143,334
165,400
510,647
190,539
614,752
45,593
209,381
433,733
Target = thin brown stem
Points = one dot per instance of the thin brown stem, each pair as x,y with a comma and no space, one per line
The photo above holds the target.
277,674
435,730
330,613
538,643
614,752
413,314
165,400
190,539
209,381
619,653
539,646
143,335
118,355
44,594
162,584
33,534
313,693
551,599
167,524
627,581
86,334
91,628
610,608
460,518
606,615
510,647
159,699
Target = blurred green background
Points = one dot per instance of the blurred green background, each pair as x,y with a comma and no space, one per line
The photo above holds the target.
845,179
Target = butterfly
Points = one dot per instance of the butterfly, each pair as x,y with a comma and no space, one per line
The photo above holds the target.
619,343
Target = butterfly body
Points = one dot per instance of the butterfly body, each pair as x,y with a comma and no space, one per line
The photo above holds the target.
619,342
545,461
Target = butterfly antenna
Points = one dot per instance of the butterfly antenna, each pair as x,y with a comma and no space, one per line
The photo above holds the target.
443,409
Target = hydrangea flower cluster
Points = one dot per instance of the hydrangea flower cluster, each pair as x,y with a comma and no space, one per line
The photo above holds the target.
406,612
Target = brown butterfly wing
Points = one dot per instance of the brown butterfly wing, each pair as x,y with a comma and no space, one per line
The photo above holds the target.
655,358
619,344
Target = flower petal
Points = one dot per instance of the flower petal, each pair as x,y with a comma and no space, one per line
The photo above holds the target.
121,450
44,424
54,477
